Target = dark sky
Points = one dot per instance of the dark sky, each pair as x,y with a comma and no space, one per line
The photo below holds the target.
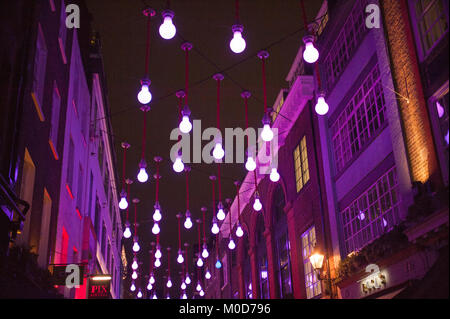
207,25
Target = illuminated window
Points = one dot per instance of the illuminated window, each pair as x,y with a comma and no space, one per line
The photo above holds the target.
432,20
301,165
70,161
56,107
372,214
359,120
62,34
263,270
442,112
345,44
80,188
40,64
312,283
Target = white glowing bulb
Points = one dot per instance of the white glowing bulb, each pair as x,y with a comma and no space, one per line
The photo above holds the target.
218,151
123,204
155,297
142,176
321,106
184,296
185,125
178,165
310,54
250,164
167,30
440,109
155,229
157,215
133,287
274,175
239,231
136,246
183,285
208,275
127,232
257,206
267,133
144,96
149,286
237,44
168,296
187,280
139,294
180,259
158,254
134,275
215,228
169,283
231,244
152,279
199,287
199,262
188,222
134,265
205,253
220,214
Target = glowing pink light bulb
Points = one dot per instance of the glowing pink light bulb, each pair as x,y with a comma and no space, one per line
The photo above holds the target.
310,55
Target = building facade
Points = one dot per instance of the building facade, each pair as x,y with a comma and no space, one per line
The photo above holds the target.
65,159
366,185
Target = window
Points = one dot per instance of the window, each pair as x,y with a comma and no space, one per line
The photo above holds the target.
361,119
372,214
103,243
346,42
91,184
432,21
56,106
97,218
285,267
100,154
45,230
70,161
80,188
26,193
312,283
442,112
301,164
262,260
40,64
64,246
62,35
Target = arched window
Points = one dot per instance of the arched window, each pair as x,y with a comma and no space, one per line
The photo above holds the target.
263,270
282,243
247,270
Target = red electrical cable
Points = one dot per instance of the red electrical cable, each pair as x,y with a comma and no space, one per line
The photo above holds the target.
128,200
186,76
305,21
239,203
187,189
147,53
237,11
157,181
318,76
214,195
123,167
144,133
179,233
264,83
204,232
168,261
199,242
135,219
218,103
185,260
220,184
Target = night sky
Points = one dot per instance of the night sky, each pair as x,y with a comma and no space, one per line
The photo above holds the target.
273,25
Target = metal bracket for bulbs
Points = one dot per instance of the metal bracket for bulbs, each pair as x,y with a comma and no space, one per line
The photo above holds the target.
263,54
213,177
167,13
246,94
237,27
186,46
145,108
149,12
180,94
125,145
266,119
187,169
218,77
186,111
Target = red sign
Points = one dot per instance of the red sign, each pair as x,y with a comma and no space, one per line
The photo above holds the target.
99,289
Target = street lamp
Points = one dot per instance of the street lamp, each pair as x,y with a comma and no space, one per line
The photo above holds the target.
316,260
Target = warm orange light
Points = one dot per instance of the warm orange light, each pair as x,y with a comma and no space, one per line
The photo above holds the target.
101,278
316,260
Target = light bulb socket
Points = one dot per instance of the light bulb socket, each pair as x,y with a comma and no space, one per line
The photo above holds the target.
186,46
142,163
148,12
167,13
146,81
218,77
266,119
188,214
156,206
308,39
220,205
186,111
263,54
237,28
123,194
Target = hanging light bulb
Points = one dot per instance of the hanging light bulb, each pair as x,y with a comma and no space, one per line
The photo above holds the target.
187,280
183,285
180,258
201,293
199,287
155,297
167,30
188,221
321,106
168,296
139,294
134,265
157,263
123,203
169,283
250,164
156,229
127,231
157,214
215,229
133,286
266,133
199,262
310,55
134,275
239,231
257,206
178,165
208,275
205,253
149,286
136,246
218,264
218,151
185,124
142,176
231,244
184,296
158,253
144,96
274,175
220,212
152,279
237,44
